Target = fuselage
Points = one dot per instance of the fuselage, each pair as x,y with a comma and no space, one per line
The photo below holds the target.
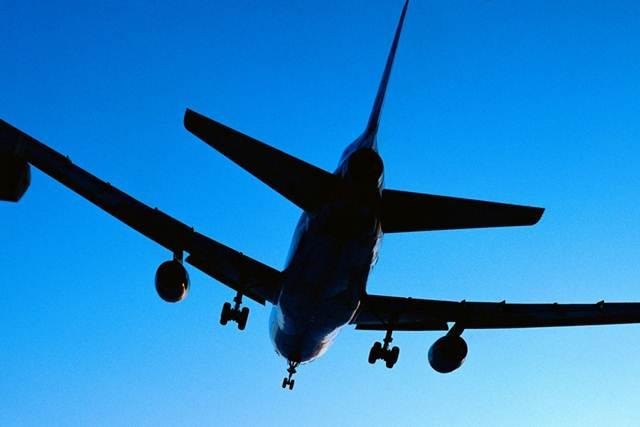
332,252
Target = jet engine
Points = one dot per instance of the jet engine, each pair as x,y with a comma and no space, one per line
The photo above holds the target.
15,177
448,353
172,281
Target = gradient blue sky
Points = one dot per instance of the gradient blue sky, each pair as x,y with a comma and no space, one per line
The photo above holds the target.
516,101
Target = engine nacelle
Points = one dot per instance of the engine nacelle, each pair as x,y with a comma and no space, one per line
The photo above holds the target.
448,353
15,177
172,281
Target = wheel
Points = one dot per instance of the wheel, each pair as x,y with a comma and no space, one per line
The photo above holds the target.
395,354
374,353
285,382
226,311
392,357
242,319
291,384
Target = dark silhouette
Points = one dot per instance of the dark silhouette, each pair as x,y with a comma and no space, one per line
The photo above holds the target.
335,244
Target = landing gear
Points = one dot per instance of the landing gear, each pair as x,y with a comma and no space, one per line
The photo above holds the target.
381,351
235,313
289,381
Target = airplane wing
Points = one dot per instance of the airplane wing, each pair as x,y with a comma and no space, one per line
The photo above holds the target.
406,211
379,312
254,279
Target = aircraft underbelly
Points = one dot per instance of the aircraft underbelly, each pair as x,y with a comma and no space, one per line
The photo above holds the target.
323,285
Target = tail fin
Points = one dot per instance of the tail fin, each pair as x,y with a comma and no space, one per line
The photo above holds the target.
374,118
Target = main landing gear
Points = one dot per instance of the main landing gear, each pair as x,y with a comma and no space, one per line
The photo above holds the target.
382,352
289,381
234,313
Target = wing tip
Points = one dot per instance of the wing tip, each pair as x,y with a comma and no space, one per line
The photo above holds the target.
536,215
189,117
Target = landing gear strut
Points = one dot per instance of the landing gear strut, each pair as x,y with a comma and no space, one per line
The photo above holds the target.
289,381
235,313
381,351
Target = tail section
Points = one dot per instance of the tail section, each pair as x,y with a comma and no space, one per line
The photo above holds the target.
404,211
374,119
305,185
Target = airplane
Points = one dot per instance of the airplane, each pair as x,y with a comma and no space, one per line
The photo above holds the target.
335,245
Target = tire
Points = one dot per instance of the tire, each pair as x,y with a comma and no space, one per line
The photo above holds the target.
392,357
291,384
224,315
284,383
395,354
374,353
244,316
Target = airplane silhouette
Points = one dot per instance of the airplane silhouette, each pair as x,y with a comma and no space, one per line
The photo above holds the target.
336,242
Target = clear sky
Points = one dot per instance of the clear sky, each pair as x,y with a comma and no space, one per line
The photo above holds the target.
516,101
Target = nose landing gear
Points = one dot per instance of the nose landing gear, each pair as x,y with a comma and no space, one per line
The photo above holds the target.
381,351
235,313
289,381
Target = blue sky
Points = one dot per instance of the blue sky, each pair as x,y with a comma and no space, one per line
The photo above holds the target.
524,102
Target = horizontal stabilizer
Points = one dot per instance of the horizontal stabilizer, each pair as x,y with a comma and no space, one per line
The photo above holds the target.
405,211
305,185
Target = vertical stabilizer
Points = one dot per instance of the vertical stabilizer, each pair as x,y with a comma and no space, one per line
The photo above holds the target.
374,119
